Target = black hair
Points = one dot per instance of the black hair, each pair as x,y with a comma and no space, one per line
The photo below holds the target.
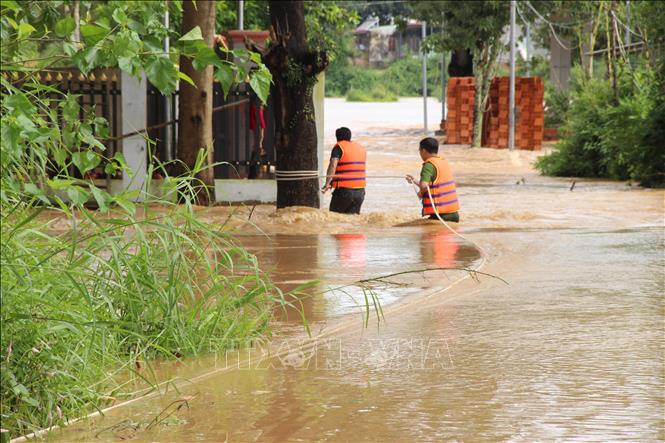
430,145
343,134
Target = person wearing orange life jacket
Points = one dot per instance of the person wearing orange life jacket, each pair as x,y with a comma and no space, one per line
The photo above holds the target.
436,174
346,174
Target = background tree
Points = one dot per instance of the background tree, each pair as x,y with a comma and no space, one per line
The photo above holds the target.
195,102
476,25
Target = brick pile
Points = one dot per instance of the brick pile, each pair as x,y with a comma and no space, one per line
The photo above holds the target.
530,115
461,94
530,121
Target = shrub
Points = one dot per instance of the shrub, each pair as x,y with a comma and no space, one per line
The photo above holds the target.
618,137
375,94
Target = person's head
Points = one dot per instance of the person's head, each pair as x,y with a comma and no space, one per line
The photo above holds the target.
343,134
428,147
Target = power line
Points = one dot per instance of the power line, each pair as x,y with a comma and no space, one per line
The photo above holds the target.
556,37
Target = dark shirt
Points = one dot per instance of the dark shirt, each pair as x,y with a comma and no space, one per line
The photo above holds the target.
336,152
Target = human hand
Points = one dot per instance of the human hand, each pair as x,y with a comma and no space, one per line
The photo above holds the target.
409,178
325,188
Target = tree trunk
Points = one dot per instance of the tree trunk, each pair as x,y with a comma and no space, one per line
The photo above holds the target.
76,14
195,103
484,73
461,63
294,69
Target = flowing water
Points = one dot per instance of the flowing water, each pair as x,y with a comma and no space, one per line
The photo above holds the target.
572,348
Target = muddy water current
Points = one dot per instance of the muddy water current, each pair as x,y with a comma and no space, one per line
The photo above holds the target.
568,345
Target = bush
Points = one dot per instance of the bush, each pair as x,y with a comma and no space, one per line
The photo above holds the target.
403,78
375,94
607,136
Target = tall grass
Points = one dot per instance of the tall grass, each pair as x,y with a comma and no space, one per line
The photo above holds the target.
85,305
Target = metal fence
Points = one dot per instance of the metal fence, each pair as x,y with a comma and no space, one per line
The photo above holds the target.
98,93
236,133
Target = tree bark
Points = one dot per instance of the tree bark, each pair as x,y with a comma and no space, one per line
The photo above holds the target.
484,73
294,69
195,103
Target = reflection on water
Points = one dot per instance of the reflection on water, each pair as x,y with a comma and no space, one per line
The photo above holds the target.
571,350
338,261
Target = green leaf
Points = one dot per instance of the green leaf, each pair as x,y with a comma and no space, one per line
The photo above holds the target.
65,27
69,48
120,17
77,195
86,160
17,102
60,156
102,198
194,34
32,189
128,64
70,108
206,56
187,78
60,183
92,34
110,169
87,59
260,82
162,73
24,30
225,75
125,204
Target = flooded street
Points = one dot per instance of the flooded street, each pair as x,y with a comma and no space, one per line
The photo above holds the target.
571,348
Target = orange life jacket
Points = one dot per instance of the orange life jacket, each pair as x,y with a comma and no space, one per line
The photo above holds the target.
443,189
350,172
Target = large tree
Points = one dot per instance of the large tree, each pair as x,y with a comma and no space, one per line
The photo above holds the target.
477,25
294,67
195,104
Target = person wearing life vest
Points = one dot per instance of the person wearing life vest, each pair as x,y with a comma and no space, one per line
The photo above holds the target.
436,174
346,174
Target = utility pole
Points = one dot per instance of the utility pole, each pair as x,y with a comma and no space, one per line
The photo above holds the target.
241,15
443,74
627,23
528,49
168,112
443,86
511,100
424,55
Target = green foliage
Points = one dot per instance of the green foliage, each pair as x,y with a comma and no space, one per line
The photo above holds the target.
376,94
88,297
403,78
84,305
618,137
327,23
472,25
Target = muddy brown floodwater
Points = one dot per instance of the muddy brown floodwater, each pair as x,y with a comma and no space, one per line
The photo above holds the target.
571,349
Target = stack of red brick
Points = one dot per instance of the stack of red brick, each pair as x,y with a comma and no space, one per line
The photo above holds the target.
459,124
530,117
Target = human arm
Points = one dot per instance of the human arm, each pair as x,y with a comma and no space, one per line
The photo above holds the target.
330,173
335,155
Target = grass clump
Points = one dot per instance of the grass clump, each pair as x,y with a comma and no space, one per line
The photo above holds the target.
85,307
375,94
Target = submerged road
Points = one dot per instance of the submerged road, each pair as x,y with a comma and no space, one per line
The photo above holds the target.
572,349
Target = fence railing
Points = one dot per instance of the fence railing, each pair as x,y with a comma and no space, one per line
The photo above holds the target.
238,121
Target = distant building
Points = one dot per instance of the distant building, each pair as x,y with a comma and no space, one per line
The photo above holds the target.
378,46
